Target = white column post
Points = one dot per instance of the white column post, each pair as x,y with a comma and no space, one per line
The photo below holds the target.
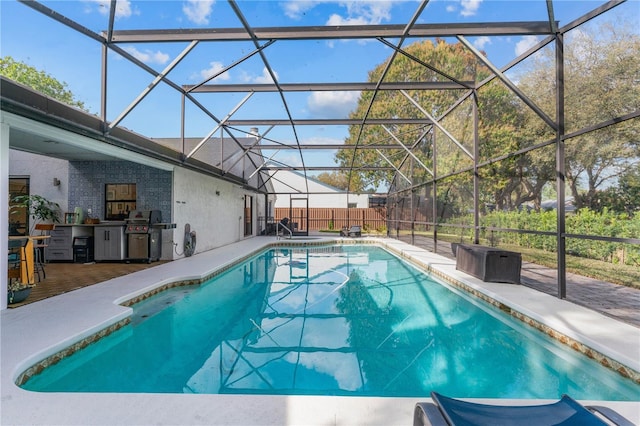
4,209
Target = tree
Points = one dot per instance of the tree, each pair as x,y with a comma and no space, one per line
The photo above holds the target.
624,198
39,81
515,180
450,59
338,179
602,71
507,184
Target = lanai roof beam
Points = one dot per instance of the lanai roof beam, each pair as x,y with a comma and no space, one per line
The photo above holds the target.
325,121
524,98
437,124
328,87
407,149
220,124
335,32
251,32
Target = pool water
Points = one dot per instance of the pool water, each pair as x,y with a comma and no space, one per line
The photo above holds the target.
333,320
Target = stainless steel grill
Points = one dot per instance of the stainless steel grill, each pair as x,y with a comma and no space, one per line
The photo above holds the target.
141,221
144,240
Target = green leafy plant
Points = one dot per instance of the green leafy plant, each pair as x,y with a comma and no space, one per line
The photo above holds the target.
17,286
14,287
38,207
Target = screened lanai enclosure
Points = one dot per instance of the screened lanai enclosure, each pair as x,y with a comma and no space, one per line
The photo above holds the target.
533,147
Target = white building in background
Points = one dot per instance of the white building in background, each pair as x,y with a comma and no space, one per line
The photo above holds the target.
288,183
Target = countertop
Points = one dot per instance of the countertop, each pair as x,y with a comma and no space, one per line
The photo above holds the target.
105,223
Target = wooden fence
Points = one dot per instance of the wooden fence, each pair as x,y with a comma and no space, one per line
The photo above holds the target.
334,218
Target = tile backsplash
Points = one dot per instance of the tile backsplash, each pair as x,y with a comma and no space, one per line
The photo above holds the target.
87,180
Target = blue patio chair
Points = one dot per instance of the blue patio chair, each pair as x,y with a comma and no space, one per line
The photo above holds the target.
565,412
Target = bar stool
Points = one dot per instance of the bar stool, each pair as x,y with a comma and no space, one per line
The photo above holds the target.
39,246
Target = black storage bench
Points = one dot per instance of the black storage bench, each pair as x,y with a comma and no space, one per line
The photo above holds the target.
489,263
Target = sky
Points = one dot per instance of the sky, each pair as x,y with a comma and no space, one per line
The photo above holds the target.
28,36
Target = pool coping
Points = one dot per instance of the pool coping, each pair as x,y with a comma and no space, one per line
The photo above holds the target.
42,329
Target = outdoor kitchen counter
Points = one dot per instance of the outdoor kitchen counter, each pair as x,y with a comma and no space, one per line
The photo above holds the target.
105,223
62,238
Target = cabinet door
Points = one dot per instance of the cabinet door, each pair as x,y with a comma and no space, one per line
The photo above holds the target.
108,243
115,243
99,240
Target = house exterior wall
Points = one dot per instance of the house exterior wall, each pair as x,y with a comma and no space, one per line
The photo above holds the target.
41,170
217,219
334,200
321,195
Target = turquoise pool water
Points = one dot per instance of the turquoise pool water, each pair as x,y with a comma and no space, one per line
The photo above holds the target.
333,320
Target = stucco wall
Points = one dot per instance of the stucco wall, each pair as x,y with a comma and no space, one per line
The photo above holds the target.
41,170
321,195
217,219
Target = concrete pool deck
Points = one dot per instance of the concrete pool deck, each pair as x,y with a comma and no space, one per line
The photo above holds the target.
41,329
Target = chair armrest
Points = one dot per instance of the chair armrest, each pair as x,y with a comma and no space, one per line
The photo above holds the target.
610,415
428,414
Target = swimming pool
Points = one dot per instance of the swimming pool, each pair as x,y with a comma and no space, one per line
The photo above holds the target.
351,320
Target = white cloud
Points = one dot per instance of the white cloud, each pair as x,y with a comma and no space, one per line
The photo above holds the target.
295,9
214,68
123,8
481,42
469,7
148,57
525,44
363,12
336,19
332,104
374,11
357,12
451,8
198,11
265,78
342,367
322,140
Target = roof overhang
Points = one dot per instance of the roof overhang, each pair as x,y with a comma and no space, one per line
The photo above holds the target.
42,125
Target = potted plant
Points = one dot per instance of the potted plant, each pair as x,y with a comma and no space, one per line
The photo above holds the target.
38,207
17,291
